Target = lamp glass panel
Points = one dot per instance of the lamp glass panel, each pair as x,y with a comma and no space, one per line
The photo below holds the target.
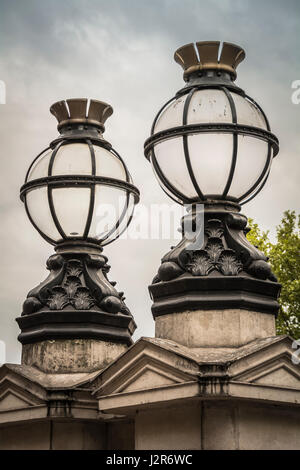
209,106
72,159
165,189
248,113
211,157
109,205
40,167
107,164
124,222
171,160
171,116
38,208
261,184
72,207
251,160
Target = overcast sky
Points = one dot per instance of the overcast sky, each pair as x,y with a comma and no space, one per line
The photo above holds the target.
121,52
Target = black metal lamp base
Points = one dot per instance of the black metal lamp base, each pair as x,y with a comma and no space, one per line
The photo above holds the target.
216,268
72,324
76,301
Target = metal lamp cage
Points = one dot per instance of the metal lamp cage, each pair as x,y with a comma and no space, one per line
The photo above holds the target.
234,128
49,182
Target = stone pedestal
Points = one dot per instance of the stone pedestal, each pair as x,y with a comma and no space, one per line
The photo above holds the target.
215,328
71,356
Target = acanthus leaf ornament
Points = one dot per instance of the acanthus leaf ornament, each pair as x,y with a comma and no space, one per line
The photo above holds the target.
225,250
80,283
214,268
200,264
229,264
82,299
58,298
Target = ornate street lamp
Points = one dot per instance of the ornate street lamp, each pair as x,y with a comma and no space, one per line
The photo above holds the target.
211,144
65,190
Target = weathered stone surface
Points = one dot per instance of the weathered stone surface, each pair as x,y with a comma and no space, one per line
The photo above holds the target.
159,394
215,328
49,435
28,436
248,426
178,428
71,356
120,435
50,380
81,436
206,397
218,425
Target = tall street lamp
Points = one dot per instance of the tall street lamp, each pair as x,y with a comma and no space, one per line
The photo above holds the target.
211,145
66,190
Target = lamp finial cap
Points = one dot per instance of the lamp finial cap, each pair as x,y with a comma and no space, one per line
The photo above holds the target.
81,111
209,55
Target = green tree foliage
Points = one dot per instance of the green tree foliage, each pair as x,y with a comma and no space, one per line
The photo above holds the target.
284,257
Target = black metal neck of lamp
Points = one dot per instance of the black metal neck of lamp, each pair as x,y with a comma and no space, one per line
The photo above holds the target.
66,193
211,149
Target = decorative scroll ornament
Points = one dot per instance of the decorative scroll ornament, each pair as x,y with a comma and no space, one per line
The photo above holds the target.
76,282
225,250
215,268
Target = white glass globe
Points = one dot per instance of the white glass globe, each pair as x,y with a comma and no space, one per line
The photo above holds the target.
79,191
231,160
